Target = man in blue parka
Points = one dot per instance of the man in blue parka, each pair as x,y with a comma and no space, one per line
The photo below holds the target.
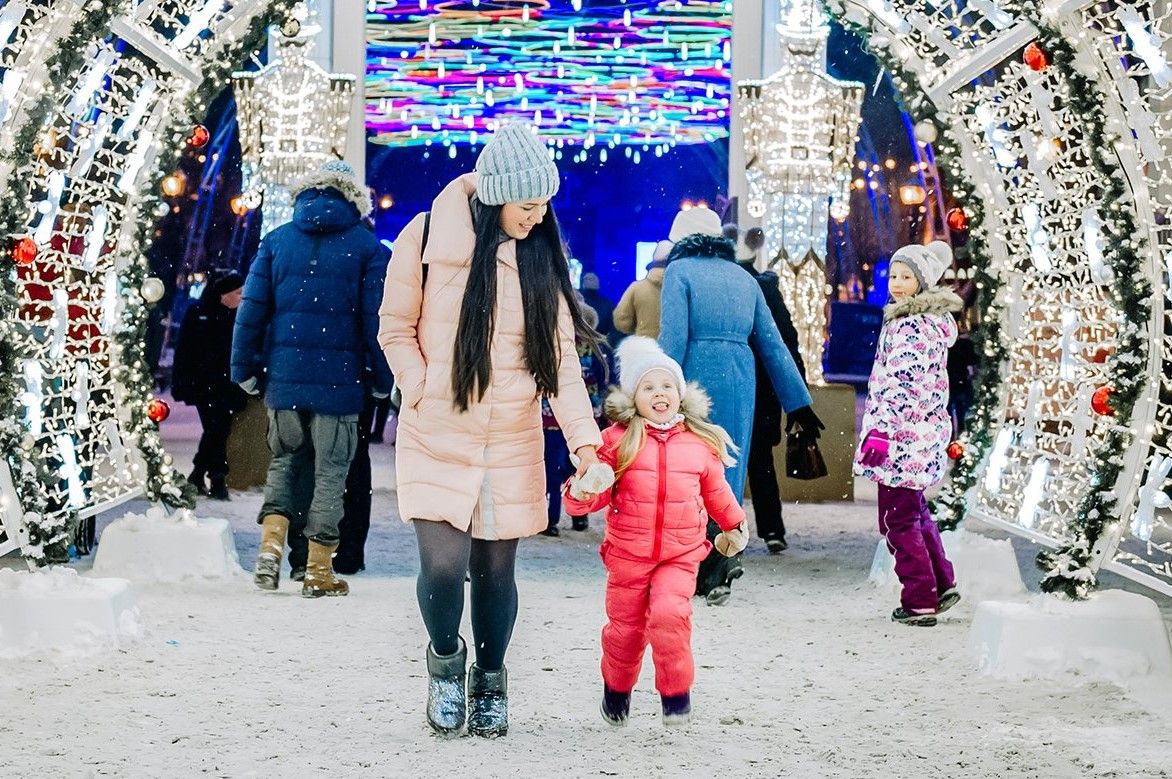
711,312
305,335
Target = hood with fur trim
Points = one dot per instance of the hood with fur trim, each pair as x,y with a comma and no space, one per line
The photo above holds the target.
932,301
349,187
695,406
700,245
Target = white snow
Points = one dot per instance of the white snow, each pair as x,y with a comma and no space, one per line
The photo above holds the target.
802,675
985,567
157,547
56,610
1114,636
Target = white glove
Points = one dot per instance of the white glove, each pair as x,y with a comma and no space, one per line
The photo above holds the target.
732,542
599,477
251,386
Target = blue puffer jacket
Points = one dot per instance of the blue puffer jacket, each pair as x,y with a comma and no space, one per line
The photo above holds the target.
306,328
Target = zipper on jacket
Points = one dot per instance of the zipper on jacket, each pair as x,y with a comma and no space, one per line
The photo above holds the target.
660,498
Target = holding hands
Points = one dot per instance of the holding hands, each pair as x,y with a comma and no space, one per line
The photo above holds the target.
732,542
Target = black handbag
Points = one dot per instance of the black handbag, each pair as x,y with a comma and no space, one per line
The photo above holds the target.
803,458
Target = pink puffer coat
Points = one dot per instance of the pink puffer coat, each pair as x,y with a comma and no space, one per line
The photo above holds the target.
659,507
907,395
484,468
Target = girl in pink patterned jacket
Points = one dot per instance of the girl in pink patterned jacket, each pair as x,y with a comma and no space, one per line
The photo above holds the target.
907,427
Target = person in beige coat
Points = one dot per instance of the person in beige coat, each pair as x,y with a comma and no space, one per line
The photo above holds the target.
478,323
638,311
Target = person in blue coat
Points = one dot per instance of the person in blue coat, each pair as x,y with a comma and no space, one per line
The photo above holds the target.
306,334
713,319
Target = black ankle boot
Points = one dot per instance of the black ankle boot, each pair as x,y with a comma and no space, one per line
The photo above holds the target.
446,704
196,479
219,489
677,709
616,706
488,699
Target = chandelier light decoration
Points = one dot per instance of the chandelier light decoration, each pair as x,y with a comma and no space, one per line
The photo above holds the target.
640,75
293,116
800,133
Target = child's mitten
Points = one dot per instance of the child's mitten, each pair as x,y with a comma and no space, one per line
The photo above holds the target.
599,477
732,542
875,449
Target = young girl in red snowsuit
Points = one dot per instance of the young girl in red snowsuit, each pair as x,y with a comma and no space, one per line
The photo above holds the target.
668,466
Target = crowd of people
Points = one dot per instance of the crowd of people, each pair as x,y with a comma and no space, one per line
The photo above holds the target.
500,370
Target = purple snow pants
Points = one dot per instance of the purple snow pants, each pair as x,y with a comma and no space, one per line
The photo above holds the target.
914,542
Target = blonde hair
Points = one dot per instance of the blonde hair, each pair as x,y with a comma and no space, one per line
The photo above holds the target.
695,406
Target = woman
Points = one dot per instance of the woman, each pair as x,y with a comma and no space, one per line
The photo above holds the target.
200,376
475,342
714,318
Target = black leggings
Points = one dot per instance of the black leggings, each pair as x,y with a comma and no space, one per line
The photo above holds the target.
446,556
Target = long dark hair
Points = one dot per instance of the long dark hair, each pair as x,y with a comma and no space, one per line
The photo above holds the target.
545,282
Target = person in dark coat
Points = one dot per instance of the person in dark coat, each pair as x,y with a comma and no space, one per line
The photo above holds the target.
306,334
602,305
201,376
713,320
767,416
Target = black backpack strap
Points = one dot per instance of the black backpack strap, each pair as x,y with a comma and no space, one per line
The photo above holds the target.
423,243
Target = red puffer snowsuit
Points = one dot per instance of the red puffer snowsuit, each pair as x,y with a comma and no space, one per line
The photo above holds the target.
653,546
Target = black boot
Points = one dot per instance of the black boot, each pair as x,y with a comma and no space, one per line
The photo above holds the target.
616,706
446,704
218,490
196,480
677,709
488,698
580,523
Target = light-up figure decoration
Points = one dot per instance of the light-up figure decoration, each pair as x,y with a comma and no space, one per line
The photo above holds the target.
800,126
293,116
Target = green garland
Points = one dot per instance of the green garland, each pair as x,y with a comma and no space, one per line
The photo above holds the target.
163,482
1068,570
48,536
949,506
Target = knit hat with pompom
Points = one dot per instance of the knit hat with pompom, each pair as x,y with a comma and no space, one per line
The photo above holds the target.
928,263
637,356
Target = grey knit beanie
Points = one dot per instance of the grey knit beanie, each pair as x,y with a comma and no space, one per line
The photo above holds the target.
515,166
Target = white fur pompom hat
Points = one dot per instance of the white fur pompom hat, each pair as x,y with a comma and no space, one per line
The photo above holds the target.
637,356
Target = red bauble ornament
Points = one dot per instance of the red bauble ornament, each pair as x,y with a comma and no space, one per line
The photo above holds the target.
158,410
958,220
24,251
955,450
1035,57
199,136
1101,401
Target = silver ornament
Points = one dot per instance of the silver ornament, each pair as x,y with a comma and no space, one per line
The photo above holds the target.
152,289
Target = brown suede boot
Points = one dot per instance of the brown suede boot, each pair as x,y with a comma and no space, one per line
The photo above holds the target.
272,545
319,573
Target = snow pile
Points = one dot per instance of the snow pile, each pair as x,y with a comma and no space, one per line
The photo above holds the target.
55,609
156,547
1113,636
986,568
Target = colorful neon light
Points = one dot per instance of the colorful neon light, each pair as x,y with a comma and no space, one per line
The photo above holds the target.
588,74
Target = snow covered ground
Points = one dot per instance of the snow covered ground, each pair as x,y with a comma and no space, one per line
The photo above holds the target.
801,675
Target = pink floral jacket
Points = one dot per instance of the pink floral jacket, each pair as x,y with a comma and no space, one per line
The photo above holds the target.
907,395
